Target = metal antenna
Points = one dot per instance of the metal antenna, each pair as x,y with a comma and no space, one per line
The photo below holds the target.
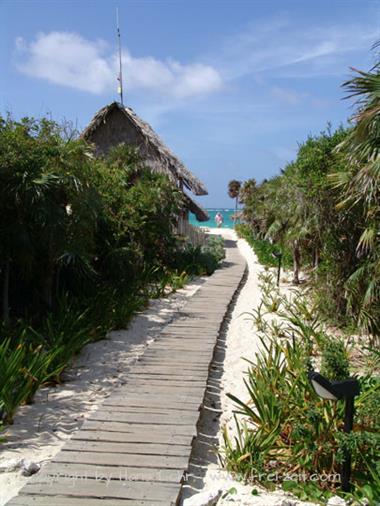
120,76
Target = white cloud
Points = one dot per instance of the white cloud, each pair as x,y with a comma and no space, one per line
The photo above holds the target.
70,60
291,50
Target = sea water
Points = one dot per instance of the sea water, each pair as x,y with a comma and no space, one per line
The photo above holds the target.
227,218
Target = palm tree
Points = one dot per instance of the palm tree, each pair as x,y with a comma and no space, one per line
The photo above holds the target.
360,184
233,192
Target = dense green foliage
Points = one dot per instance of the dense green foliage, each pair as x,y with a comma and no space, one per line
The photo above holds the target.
84,243
263,248
198,260
324,210
324,207
283,428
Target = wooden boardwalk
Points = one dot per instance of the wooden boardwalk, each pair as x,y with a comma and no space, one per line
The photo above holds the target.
135,449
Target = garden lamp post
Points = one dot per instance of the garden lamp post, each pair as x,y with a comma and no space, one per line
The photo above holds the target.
278,255
335,390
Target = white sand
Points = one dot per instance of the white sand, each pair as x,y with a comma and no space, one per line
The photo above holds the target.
41,429
227,376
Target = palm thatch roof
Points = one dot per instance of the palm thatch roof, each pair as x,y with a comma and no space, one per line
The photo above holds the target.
115,124
200,213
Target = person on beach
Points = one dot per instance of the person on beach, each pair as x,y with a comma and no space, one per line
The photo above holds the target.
218,219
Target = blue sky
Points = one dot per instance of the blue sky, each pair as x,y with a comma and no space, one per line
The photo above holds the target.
230,85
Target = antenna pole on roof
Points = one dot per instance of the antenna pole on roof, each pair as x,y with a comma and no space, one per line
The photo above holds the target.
120,76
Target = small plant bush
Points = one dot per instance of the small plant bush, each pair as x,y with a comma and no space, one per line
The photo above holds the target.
199,260
284,428
335,364
263,248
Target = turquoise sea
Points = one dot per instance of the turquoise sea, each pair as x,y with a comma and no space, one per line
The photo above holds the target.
226,213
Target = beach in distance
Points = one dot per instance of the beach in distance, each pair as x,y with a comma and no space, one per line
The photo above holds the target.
226,213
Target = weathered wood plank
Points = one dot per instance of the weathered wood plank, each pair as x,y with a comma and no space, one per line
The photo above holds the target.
142,407
157,437
168,369
114,472
186,418
153,400
111,490
110,459
158,388
148,430
194,379
142,448
46,500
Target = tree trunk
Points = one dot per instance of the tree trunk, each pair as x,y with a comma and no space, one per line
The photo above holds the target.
48,286
316,258
236,206
6,272
296,261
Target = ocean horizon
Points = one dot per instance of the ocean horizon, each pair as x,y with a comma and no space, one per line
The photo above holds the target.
225,212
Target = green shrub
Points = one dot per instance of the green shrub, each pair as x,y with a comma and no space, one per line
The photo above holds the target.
200,260
215,247
263,248
335,364
23,367
282,425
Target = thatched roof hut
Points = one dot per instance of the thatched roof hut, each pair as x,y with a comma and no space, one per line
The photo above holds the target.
116,124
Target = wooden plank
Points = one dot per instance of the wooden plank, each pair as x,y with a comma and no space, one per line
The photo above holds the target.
158,437
185,418
182,347
193,336
194,379
46,500
157,388
191,355
164,492
114,472
153,400
158,383
176,361
110,459
141,407
135,387
147,430
169,369
156,406
142,448
186,332
195,323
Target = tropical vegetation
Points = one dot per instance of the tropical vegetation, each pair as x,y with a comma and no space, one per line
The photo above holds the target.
287,435
324,209
322,213
84,243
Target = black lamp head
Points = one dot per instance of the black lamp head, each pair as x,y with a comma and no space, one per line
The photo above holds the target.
334,390
277,254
